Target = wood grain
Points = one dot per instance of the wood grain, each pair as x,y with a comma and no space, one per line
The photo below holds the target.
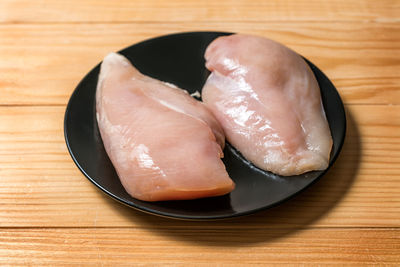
41,186
181,246
16,11
50,214
42,64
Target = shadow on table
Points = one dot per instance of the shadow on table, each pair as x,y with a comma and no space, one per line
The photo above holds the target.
287,218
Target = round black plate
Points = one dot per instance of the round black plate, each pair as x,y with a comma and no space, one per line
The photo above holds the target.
178,59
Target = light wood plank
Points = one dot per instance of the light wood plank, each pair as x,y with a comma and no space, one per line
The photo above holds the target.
192,10
51,215
41,186
42,64
201,247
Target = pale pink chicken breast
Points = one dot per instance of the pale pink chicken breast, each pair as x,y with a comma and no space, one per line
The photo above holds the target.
269,104
164,144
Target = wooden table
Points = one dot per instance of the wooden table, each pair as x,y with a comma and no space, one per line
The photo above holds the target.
50,214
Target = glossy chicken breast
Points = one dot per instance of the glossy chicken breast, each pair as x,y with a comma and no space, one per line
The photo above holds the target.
268,102
164,144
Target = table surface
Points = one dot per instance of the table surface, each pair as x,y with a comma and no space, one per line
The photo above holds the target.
50,214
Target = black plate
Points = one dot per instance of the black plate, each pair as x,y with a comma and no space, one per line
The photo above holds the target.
178,59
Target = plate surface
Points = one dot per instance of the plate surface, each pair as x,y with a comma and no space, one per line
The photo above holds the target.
178,59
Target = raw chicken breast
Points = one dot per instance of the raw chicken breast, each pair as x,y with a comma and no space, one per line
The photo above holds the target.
164,144
269,104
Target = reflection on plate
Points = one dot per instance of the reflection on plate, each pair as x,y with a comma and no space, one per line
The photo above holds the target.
178,59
